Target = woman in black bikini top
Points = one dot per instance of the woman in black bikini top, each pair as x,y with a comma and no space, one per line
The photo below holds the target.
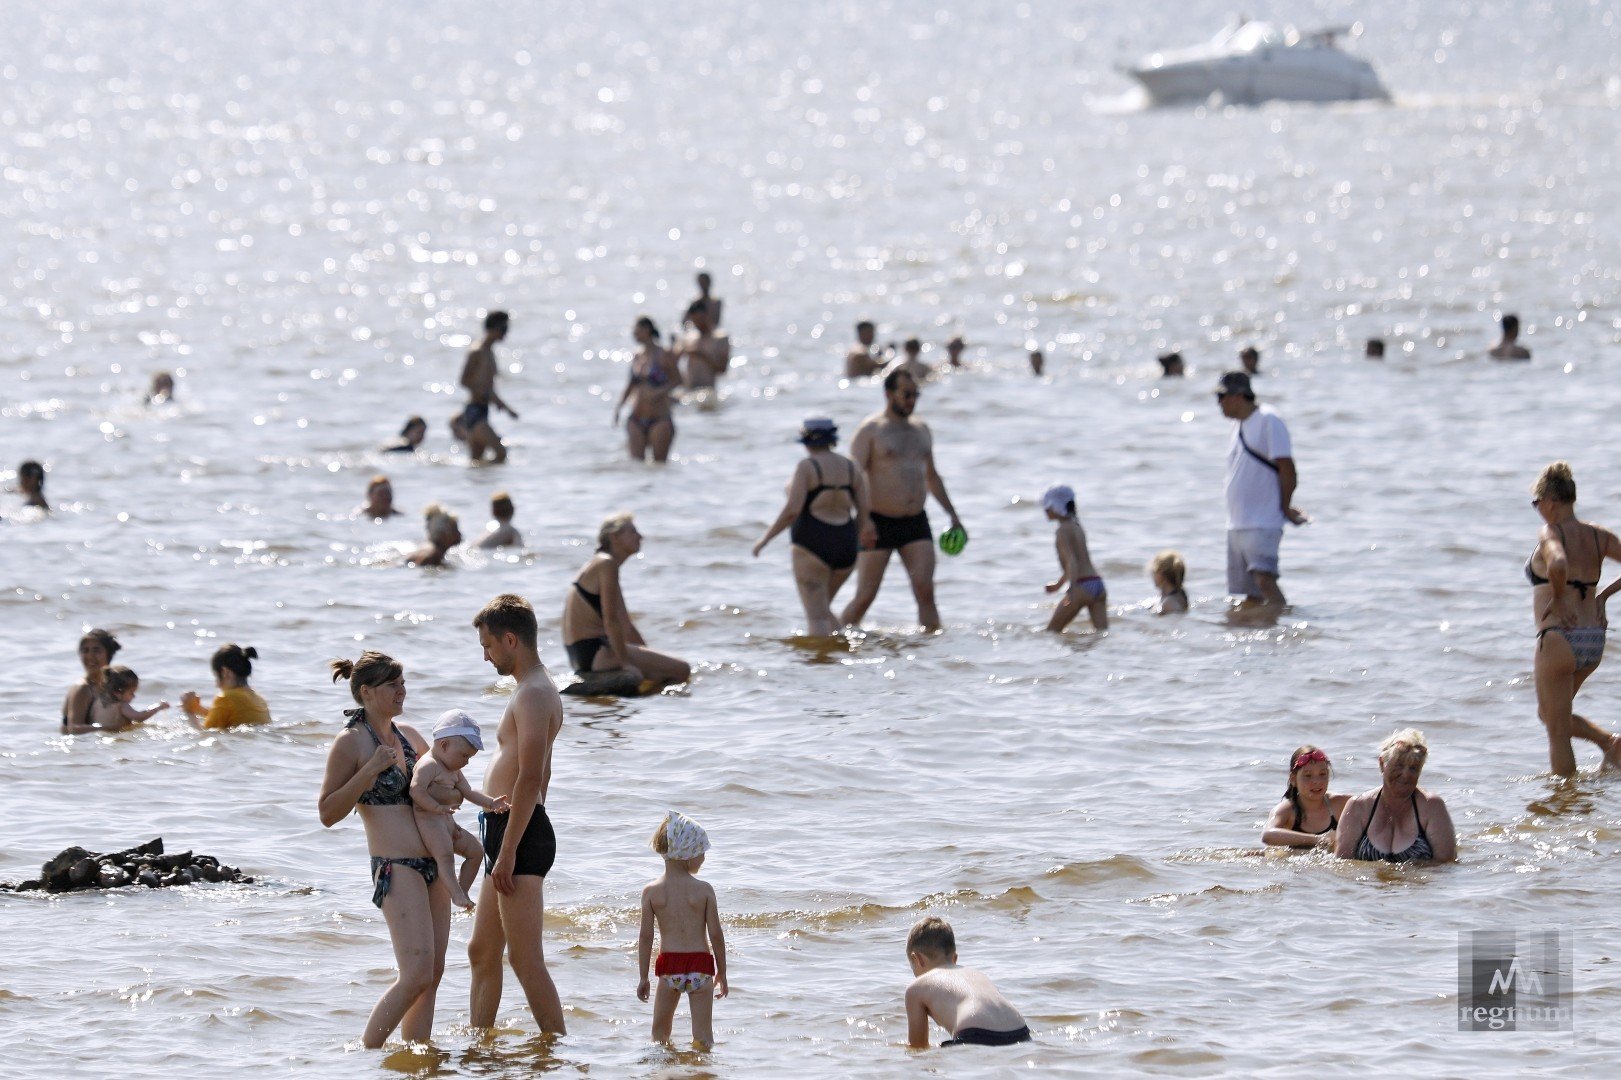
1306,803
1374,826
598,633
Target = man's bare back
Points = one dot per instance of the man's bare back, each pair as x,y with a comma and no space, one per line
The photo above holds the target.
895,455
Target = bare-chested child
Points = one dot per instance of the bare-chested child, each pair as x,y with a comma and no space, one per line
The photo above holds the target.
117,710
1169,572
503,534
478,376
963,1001
684,910
911,361
1075,565
862,360
437,790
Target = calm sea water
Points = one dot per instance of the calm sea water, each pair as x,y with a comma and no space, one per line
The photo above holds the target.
303,209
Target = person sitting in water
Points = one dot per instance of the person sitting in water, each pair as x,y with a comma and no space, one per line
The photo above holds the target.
963,1001
1397,822
444,533
1375,349
1308,814
1171,366
237,704
708,352
31,484
911,362
1169,572
438,789
411,436
654,377
861,360
1086,591
117,710
96,650
379,503
161,392
597,628
827,507
1509,347
501,534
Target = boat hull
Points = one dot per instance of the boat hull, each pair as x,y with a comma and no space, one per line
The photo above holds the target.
1318,75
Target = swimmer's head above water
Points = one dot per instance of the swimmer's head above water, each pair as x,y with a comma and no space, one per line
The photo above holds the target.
97,649
444,531
496,324
232,664
1309,771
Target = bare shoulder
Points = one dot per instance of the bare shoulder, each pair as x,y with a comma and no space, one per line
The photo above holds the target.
537,700
418,743
1338,802
1432,802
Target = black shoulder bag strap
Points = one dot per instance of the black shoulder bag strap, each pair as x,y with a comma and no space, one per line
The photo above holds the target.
1268,462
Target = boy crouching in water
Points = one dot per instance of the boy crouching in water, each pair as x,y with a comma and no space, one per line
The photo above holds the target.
437,790
959,999
685,912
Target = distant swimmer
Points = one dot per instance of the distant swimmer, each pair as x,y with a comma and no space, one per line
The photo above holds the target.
410,437
911,362
1308,814
31,484
1086,591
1564,571
961,1000
117,711
1037,362
710,304
654,377
1171,366
827,508
597,630
437,792
502,533
707,352
369,768
861,360
1509,347
896,457
1397,822
444,532
1375,349
161,391
954,349
237,703
1250,359
1169,572
520,845
1260,492
692,946
478,376
379,504
96,651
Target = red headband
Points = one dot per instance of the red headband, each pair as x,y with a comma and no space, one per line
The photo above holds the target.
1307,758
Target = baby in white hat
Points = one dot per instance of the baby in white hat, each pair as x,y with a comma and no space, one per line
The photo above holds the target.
437,790
688,921
1086,589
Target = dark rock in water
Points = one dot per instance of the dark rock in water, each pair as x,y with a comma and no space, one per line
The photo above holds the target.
617,683
84,872
146,864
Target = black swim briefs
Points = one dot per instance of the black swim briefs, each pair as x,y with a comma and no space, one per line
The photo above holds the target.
536,851
895,533
984,1037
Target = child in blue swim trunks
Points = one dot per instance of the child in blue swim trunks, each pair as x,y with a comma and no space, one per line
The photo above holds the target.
1086,589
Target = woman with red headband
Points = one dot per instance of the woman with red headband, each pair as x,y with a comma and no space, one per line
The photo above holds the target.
1308,814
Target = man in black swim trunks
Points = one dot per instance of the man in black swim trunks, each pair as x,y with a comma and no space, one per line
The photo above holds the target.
519,847
896,453
478,376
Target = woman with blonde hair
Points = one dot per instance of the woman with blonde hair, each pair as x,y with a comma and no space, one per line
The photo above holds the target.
1396,822
444,533
597,630
1569,610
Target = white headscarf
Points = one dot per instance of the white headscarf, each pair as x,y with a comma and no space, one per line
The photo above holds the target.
684,838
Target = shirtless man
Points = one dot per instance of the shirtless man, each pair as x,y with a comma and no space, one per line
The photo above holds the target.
1510,348
478,376
897,457
519,846
954,349
711,304
911,361
861,361
708,354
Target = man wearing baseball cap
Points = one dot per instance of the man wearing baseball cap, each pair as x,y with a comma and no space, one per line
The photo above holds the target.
1260,492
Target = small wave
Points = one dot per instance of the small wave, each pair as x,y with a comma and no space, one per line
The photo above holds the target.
1113,868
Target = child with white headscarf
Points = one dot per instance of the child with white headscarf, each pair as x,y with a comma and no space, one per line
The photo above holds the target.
683,909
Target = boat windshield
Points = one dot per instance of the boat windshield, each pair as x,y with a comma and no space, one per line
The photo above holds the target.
1252,36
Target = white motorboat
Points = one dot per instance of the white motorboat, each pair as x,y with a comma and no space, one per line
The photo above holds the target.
1250,62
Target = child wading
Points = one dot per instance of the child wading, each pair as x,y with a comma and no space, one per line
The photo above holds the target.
437,791
688,921
1075,565
963,1001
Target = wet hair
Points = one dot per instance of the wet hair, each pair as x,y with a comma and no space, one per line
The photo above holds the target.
439,521
610,525
235,659
497,320
1511,325
933,936
865,324
509,613
1170,360
415,421
1557,483
652,327
105,639
1292,793
1402,741
372,669
501,506
703,275
1169,564
912,344
115,680
32,471
1375,347
376,481
893,379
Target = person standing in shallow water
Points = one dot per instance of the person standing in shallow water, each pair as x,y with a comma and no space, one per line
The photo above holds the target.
861,361
896,457
519,845
96,650
1569,609
654,376
1509,347
1260,492
478,377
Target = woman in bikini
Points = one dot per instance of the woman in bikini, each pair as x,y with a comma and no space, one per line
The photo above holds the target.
1564,572
827,508
370,766
1308,814
597,631
1396,822
96,650
654,376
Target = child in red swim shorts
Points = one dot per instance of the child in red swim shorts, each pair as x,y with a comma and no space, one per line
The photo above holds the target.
688,920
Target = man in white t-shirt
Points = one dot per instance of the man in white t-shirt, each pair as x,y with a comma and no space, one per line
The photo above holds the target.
1260,490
